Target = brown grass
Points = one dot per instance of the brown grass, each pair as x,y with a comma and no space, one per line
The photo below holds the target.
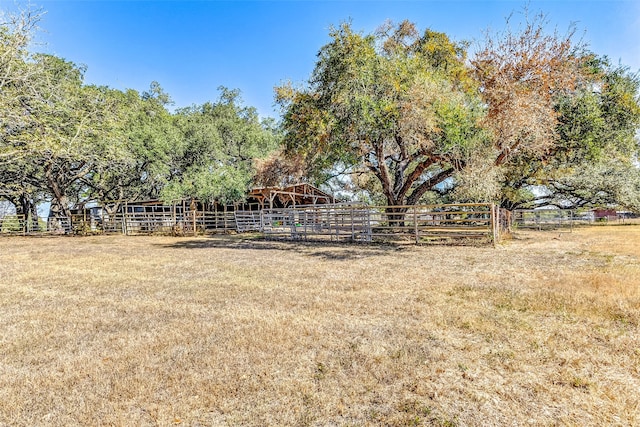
215,331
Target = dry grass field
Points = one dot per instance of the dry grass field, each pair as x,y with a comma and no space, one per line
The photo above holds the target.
215,331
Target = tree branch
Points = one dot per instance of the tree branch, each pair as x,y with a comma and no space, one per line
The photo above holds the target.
431,182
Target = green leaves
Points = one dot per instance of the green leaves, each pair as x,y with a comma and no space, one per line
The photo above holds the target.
397,114
217,145
73,143
595,145
225,184
391,102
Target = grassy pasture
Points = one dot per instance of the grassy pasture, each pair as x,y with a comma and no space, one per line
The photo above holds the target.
113,330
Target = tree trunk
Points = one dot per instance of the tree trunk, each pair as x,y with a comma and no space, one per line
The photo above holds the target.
60,203
21,212
395,216
35,226
25,207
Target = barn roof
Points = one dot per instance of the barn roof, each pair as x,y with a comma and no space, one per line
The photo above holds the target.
292,195
298,194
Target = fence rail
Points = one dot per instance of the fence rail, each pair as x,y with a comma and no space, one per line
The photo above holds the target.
370,223
352,222
27,225
542,219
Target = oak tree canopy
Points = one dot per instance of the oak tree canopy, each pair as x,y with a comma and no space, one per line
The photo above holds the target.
525,117
410,116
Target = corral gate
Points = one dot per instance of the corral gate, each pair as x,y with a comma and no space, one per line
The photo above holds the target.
359,222
336,222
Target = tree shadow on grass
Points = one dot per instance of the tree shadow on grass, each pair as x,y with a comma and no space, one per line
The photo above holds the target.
328,250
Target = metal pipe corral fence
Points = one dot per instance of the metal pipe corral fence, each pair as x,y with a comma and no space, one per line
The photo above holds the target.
354,222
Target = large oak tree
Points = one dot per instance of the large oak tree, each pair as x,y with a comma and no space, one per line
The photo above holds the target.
593,160
510,124
218,143
18,71
398,104
70,144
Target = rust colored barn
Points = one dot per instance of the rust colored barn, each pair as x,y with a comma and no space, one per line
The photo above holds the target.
605,214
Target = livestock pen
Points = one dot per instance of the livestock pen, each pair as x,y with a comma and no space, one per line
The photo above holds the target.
354,222
364,223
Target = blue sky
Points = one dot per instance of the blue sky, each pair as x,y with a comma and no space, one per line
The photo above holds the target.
192,47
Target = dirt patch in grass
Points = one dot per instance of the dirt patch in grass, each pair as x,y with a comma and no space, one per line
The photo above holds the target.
113,330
